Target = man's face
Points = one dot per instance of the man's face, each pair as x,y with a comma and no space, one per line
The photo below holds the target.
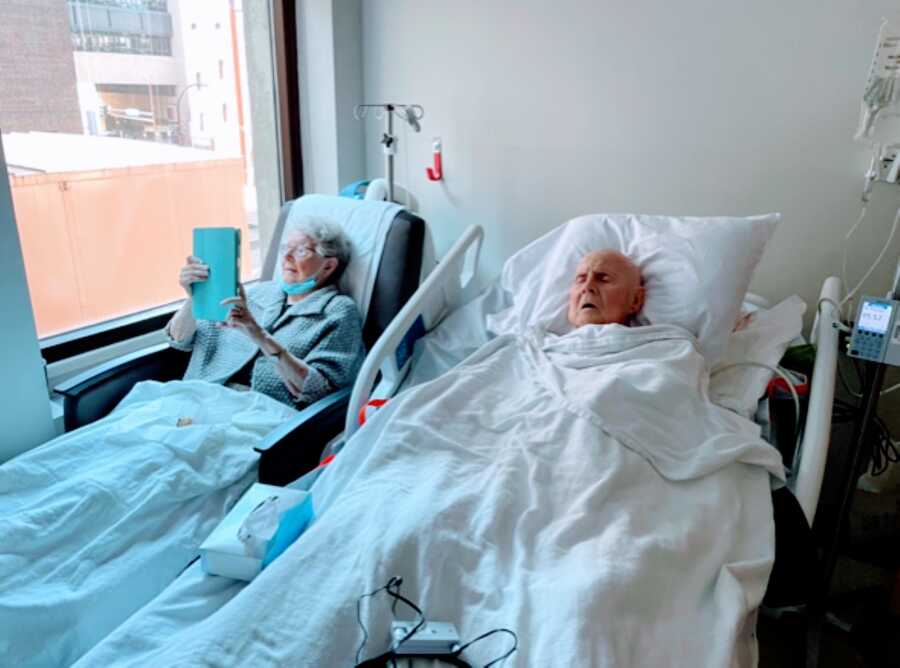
607,289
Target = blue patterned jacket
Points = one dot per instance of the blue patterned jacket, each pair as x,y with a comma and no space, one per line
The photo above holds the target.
324,330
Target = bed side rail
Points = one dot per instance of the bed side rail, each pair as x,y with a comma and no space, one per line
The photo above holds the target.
439,293
817,431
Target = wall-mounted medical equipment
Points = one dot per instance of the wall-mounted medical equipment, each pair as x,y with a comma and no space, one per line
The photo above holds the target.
436,172
879,127
879,119
409,113
883,83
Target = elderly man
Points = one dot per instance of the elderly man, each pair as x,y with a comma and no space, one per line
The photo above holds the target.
608,288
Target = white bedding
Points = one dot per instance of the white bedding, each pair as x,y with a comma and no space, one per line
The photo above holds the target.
580,490
95,523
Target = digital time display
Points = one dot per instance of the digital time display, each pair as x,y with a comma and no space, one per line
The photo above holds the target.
875,317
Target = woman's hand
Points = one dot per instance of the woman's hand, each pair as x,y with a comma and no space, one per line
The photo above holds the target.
239,317
192,272
293,371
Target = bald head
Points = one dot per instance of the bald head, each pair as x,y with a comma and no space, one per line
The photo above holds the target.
607,289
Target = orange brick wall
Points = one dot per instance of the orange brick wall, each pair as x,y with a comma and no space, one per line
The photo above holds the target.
102,244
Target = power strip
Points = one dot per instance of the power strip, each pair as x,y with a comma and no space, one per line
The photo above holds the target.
434,638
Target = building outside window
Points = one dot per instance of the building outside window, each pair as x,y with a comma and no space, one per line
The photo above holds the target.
125,151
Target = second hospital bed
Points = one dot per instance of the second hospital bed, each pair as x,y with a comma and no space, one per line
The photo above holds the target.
156,491
191,605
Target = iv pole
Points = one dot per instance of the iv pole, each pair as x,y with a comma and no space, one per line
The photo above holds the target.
411,113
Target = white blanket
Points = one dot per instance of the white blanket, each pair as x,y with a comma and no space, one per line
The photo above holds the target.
96,522
580,490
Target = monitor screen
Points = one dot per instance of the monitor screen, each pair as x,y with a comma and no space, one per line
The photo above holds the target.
875,317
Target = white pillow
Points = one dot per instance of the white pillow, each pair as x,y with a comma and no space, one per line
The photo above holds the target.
365,223
764,340
696,271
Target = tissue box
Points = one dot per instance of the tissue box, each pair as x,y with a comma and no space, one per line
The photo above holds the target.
225,553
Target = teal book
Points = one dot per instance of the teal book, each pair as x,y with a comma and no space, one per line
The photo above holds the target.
219,248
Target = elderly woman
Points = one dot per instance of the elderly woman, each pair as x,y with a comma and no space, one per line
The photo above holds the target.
295,339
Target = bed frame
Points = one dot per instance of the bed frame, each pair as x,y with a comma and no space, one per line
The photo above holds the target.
794,582
443,285
807,484
448,286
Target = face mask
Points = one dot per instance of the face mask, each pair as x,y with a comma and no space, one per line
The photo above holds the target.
300,288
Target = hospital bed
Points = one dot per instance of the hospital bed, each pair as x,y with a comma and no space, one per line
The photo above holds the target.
142,491
384,375
793,583
295,446
381,378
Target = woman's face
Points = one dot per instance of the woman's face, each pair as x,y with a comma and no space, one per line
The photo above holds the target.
300,260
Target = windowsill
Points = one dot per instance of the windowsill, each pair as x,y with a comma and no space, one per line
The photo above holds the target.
97,329
75,352
85,339
64,369
77,342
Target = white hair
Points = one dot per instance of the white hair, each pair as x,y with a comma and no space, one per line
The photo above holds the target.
329,240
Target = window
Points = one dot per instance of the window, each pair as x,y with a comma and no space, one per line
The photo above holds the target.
112,167
119,26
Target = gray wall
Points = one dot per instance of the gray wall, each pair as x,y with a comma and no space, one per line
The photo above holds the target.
331,84
347,25
24,406
550,110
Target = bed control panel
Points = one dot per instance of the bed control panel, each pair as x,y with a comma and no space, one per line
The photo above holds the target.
876,333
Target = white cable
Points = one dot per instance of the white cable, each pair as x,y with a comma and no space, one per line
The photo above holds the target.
890,389
877,261
827,300
778,371
847,237
862,215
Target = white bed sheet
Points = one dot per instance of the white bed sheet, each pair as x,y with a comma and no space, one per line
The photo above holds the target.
95,523
580,490
190,599
466,330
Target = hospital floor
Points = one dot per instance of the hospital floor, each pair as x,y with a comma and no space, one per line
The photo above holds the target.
860,591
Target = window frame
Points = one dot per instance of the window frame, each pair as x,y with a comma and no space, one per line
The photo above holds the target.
287,89
81,340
